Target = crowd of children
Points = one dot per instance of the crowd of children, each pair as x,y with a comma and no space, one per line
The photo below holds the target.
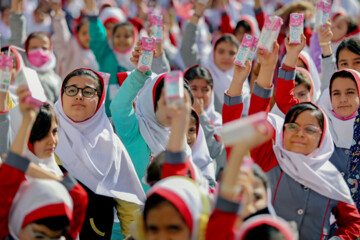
184,119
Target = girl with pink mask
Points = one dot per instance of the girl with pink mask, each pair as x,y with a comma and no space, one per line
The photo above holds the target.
38,51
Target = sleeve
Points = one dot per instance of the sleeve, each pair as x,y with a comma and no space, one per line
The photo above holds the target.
174,164
189,50
121,107
260,17
222,220
5,133
215,146
348,221
232,110
263,155
61,38
18,29
126,212
160,64
80,200
315,51
98,40
12,174
285,98
225,25
308,33
328,63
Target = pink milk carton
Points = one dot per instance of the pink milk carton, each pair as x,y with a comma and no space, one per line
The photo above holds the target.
270,32
322,13
296,27
244,51
243,129
148,47
6,63
174,88
157,24
253,49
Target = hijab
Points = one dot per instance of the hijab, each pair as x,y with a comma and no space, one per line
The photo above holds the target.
314,170
37,199
94,154
341,129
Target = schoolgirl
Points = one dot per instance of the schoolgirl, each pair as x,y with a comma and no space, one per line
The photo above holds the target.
91,151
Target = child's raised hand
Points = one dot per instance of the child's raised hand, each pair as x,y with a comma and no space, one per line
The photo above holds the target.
28,111
17,6
198,105
293,51
90,5
325,34
269,59
136,55
239,77
56,7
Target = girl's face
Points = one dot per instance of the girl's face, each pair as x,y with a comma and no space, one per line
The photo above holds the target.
45,147
344,96
260,194
191,133
165,222
224,56
302,93
79,107
304,136
38,231
109,29
123,38
201,89
348,59
39,42
339,28
240,32
83,35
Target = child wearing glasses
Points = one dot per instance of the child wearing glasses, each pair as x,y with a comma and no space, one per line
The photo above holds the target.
306,186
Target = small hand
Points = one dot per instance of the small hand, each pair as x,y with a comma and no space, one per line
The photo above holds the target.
199,105
325,34
17,6
28,111
136,55
293,51
90,5
239,77
269,59
56,7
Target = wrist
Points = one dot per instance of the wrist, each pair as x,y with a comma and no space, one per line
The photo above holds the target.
325,43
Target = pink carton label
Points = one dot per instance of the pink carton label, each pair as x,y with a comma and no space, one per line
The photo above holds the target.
273,23
296,27
255,42
156,20
322,13
148,44
324,6
270,32
174,85
247,41
296,19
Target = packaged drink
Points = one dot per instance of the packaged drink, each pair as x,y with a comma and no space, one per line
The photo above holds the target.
148,47
31,79
270,32
243,129
246,50
174,88
157,24
296,27
6,63
322,13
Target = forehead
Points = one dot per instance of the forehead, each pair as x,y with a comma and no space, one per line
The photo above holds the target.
39,41
341,83
81,81
199,82
307,118
124,30
346,54
226,45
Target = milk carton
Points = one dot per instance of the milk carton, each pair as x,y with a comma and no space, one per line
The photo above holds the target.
296,27
174,88
148,47
322,13
270,32
6,63
157,24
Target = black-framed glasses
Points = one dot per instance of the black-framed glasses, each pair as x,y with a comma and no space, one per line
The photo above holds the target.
87,92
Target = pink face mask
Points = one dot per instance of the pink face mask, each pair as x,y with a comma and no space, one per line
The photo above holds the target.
38,57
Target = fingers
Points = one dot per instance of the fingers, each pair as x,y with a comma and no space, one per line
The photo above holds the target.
275,48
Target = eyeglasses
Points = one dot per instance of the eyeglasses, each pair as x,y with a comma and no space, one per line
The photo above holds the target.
307,129
42,236
87,92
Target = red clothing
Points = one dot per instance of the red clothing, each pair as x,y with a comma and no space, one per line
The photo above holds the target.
221,226
10,180
285,98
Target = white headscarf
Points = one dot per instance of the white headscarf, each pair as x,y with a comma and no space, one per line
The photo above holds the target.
341,130
33,197
48,164
93,153
314,170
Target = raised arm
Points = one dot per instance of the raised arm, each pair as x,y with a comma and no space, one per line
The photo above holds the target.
285,98
17,24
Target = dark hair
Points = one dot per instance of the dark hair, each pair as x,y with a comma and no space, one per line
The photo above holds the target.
195,116
85,72
4,8
264,232
259,173
81,23
153,201
352,24
35,35
153,171
5,50
351,44
198,71
160,86
42,123
227,38
58,223
301,78
124,24
297,109
245,24
341,74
